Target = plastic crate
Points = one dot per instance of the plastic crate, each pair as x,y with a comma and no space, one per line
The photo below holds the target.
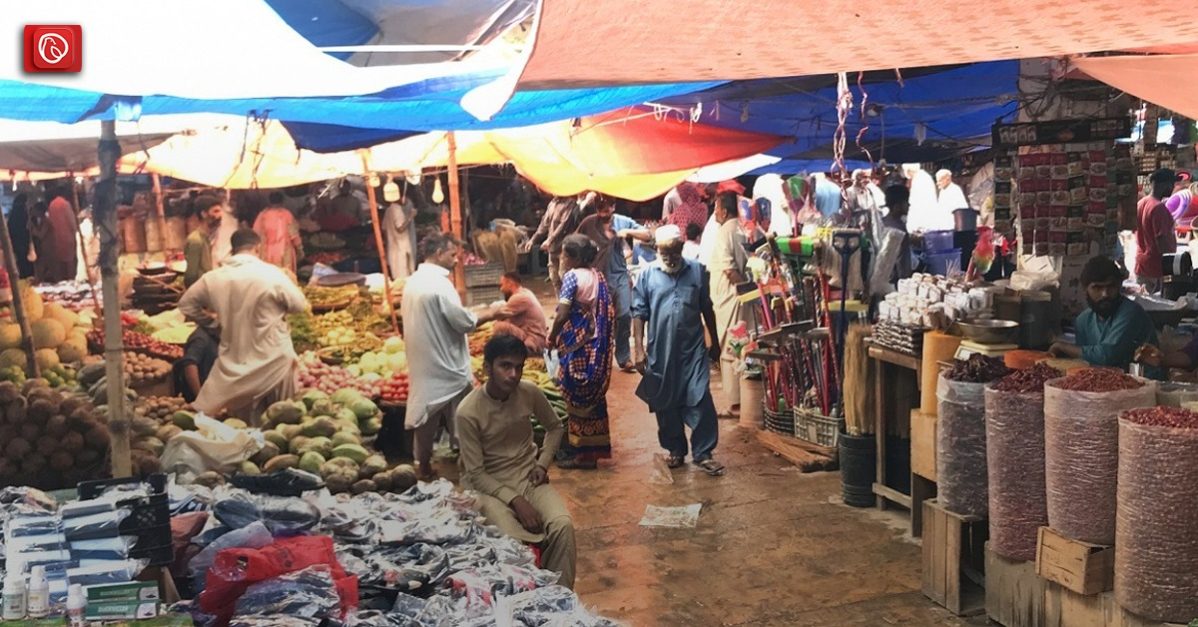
488,274
482,295
779,421
149,517
816,428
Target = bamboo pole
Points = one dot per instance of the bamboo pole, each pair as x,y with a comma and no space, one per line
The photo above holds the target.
104,216
378,240
455,211
18,305
161,211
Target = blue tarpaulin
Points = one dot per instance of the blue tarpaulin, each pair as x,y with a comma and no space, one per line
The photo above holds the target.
426,106
956,107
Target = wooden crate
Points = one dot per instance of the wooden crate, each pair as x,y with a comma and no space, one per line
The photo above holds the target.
1014,593
1065,608
953,561
923,444
1081,567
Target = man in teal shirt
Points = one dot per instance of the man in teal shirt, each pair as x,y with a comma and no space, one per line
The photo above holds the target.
1110,331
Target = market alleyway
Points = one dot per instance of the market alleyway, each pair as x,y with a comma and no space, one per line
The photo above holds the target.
772,546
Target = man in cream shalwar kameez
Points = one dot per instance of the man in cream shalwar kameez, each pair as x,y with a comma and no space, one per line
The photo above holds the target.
726,269
250,299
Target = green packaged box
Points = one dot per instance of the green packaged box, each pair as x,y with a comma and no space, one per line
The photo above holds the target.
121,610
125,591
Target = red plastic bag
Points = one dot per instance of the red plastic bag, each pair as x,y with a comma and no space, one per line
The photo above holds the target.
235,569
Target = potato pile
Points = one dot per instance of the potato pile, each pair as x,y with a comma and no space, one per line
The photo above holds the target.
50,440
160,408
141,369
323,434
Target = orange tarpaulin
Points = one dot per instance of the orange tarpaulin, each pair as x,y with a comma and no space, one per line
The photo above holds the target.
580,43
1166,80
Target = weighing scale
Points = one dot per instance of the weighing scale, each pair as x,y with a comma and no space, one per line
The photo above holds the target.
970,347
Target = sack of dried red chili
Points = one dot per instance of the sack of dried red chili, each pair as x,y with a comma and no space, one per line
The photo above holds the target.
1015,460
1156,524
961,442
1081,448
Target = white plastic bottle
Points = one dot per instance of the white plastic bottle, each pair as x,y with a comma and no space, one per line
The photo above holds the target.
76,606
14,597
38,603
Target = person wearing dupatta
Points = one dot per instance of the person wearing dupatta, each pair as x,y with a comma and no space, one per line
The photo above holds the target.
582,334
281,243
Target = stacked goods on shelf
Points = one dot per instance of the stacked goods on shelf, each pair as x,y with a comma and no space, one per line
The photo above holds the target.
73,295
1156,545
924,297
899,337
1015,460
1081,448
136,342
482,283
961,433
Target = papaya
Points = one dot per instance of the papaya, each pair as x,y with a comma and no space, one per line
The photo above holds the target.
351,451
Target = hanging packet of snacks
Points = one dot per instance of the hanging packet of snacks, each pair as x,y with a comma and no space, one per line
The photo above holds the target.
961,433
1015,460
1081,448
1156,526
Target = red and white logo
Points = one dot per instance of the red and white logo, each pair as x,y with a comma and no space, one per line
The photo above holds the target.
53,48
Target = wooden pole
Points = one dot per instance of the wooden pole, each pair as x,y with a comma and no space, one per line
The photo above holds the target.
104,216
18,305
455,210
160,210
378,240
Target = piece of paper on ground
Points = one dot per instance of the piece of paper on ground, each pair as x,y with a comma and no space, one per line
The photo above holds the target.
684,517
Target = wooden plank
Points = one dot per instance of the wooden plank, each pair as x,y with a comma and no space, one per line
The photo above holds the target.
952,561
789,448
923,444
922,490
894,357
890,494
1081,567
1066,608
880,403
1014,593
933,555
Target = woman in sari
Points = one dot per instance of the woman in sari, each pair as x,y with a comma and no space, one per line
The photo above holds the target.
582,334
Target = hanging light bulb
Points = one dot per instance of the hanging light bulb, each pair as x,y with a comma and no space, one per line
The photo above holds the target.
373,181
438,195
391,191
413,178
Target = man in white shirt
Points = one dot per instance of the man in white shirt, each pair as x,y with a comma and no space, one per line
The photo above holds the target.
925,214
950,195
435,328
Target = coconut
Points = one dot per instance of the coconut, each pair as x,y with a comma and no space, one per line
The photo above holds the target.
365,485
403,477
61,460
269,450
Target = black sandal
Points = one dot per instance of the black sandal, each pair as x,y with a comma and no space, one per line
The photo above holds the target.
573,463
711,467
675,461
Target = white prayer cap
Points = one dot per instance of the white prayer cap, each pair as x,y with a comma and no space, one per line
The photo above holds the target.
942,173
668,234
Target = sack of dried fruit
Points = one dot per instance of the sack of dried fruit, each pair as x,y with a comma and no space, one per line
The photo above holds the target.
1081,448
961,433
1156,523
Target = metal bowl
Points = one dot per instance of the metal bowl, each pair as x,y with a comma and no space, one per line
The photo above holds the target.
990,331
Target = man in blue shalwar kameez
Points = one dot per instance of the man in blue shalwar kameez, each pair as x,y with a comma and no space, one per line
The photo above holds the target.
672,302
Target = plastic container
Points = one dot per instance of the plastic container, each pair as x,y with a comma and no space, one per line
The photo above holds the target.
37,602
76,606
14,597
943,263
938,242
858,469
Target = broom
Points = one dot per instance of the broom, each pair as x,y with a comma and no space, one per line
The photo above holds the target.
858,381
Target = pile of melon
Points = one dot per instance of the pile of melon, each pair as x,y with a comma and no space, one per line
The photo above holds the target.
58,335
323,435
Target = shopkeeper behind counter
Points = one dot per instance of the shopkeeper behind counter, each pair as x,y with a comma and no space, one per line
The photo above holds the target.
1111,329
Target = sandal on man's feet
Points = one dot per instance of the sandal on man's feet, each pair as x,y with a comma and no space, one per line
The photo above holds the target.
711,467
627,366
675,461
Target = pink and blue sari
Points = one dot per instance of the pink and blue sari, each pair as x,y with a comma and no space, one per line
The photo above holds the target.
585,354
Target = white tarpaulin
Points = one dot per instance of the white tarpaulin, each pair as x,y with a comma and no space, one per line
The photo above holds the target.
204,50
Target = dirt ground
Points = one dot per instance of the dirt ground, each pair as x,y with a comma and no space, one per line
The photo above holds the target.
772,546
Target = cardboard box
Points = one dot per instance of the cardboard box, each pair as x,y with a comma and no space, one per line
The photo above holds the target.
125,591
121,610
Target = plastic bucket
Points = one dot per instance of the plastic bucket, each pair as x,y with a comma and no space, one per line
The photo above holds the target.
858,469
938,241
